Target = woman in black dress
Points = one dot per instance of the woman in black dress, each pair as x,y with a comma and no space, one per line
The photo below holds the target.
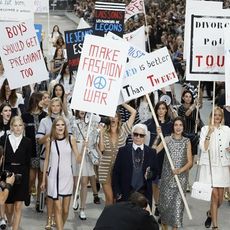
17,160
31,120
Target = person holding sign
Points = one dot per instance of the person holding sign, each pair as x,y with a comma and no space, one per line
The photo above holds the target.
171,205
110,140
215,140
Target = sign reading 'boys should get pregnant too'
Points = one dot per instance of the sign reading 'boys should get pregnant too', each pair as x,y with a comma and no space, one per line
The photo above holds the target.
153,71
99,77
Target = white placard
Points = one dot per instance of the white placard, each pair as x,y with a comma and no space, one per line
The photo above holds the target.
137,37
21,54
148,74
194,6
205,59
41,6
227,65
99,76
16,10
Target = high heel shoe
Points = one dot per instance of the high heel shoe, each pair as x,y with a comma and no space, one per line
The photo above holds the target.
208,221
53,223
48,225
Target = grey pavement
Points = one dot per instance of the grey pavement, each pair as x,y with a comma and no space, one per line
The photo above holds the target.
31,220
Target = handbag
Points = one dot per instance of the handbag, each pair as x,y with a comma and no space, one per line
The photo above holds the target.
94,156
200,190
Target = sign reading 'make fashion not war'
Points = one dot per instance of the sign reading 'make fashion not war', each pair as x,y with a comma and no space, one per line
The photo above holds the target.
99,76
21,54
109,16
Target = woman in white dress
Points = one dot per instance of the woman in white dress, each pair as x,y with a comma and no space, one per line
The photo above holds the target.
58,166
215,139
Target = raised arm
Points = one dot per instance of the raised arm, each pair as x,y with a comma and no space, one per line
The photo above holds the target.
132,112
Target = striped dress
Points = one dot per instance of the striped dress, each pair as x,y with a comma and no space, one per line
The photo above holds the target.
110,153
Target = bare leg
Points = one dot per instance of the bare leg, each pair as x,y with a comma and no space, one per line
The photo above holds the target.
214,206
58,214
65,208
92,180
9,213
107,188
83,192
17,214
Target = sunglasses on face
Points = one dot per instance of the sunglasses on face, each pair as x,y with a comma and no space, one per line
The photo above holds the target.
139,134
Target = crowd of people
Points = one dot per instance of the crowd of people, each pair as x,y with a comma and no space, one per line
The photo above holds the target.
44,141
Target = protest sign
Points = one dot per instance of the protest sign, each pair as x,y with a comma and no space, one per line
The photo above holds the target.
83,24
136,37
21,54
206,48
16,10
192,7
133,53
134,7
227,64
41,6
74,41
109,16
99,75
153,71
38,29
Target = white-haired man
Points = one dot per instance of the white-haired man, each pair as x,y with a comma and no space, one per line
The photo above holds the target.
135,167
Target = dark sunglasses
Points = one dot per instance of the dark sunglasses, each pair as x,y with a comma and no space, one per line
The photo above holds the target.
139,134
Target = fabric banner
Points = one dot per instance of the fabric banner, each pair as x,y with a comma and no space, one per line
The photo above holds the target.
153,71
136,37
99,76
134,7
109,16
41,6
21,54
15,10
206,48
74,41
227,64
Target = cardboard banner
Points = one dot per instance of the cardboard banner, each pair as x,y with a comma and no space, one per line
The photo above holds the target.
227,64
99,75
193,6
15,10
206,57
21,54
109,16
136,37
41,6
74,41
134,7
38,29
133,53
153,71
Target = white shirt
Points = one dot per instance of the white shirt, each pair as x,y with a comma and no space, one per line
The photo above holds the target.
15,141
138,146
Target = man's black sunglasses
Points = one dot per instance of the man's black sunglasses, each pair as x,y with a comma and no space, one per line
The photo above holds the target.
139,134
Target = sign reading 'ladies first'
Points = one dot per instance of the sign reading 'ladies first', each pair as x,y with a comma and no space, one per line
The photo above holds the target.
99,77
21,54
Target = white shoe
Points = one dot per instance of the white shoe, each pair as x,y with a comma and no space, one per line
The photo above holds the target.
82,215
2,223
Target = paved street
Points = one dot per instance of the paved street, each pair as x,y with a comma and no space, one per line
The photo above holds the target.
36,221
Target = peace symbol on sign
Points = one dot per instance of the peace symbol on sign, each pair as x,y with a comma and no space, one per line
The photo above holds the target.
99,82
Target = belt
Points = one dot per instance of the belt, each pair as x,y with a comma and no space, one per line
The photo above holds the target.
15,164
